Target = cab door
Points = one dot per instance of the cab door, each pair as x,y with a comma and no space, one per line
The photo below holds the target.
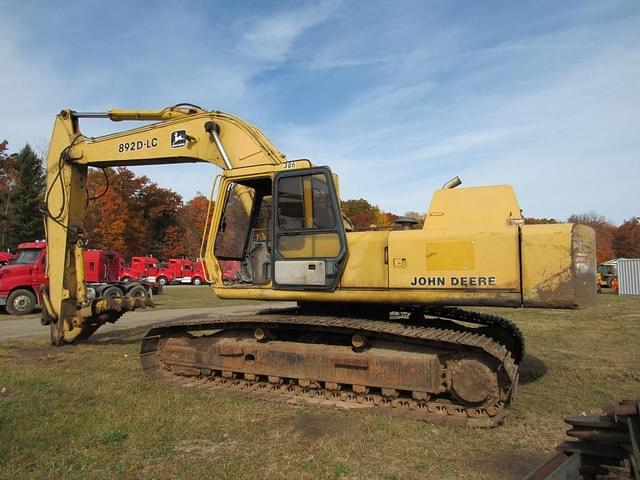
309,243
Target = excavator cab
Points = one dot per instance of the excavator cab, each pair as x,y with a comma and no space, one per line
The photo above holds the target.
283,232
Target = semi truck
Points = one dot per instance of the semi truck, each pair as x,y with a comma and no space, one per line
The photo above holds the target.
22,281
148,269
186,271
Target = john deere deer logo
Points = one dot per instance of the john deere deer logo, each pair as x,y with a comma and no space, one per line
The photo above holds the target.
178,138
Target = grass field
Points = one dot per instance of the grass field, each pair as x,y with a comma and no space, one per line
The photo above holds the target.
188,296
87,411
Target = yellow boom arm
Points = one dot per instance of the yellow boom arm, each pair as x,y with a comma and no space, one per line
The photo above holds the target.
182,134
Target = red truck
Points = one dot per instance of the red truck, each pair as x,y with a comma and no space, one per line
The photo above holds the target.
185,270
102,266
22,279
148,269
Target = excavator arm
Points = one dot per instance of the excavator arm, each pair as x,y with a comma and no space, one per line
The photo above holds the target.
181,134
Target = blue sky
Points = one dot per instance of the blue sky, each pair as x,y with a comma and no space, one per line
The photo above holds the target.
396,96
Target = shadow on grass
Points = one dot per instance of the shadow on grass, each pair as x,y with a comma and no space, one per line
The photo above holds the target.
531,369
125,336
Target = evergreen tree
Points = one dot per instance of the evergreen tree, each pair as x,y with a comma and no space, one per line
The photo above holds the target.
25,220
7,183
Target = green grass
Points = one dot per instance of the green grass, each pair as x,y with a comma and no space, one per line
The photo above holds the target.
189,296
87,411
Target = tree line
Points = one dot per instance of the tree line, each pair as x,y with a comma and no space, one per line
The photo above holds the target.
126,212
134,216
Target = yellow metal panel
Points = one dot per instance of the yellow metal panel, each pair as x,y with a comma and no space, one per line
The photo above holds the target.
457,267
450,256
366,266
558,265
483,207
546,262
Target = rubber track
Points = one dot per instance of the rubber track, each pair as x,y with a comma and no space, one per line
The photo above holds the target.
488,320
432,411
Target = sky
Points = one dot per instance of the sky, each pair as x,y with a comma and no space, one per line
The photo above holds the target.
396,97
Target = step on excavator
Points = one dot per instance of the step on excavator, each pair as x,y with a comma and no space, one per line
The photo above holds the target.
379,319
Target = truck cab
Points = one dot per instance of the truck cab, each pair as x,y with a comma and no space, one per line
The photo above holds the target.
148,269
187,271
21,280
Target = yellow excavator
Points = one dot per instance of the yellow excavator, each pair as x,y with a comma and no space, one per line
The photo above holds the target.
378,319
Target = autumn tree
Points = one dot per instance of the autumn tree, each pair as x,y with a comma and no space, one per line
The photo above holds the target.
604,233
107,223
362,214
132,215
384,220
129,187
160,215
626,239
25,222
193,218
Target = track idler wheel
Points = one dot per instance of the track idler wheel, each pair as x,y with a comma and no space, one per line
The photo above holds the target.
472,381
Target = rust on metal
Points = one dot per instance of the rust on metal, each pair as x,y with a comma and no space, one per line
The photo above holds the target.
603,446
472,380
454,375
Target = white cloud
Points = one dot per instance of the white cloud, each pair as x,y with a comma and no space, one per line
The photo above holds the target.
270,39
551,114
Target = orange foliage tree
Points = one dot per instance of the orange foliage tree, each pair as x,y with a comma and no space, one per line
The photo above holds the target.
193,217
110,223
132,215
160,208
364,215
626,239
107,224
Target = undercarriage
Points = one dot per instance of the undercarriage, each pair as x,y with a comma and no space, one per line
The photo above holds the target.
442,365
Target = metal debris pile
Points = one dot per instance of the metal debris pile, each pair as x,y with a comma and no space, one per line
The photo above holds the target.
603,446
